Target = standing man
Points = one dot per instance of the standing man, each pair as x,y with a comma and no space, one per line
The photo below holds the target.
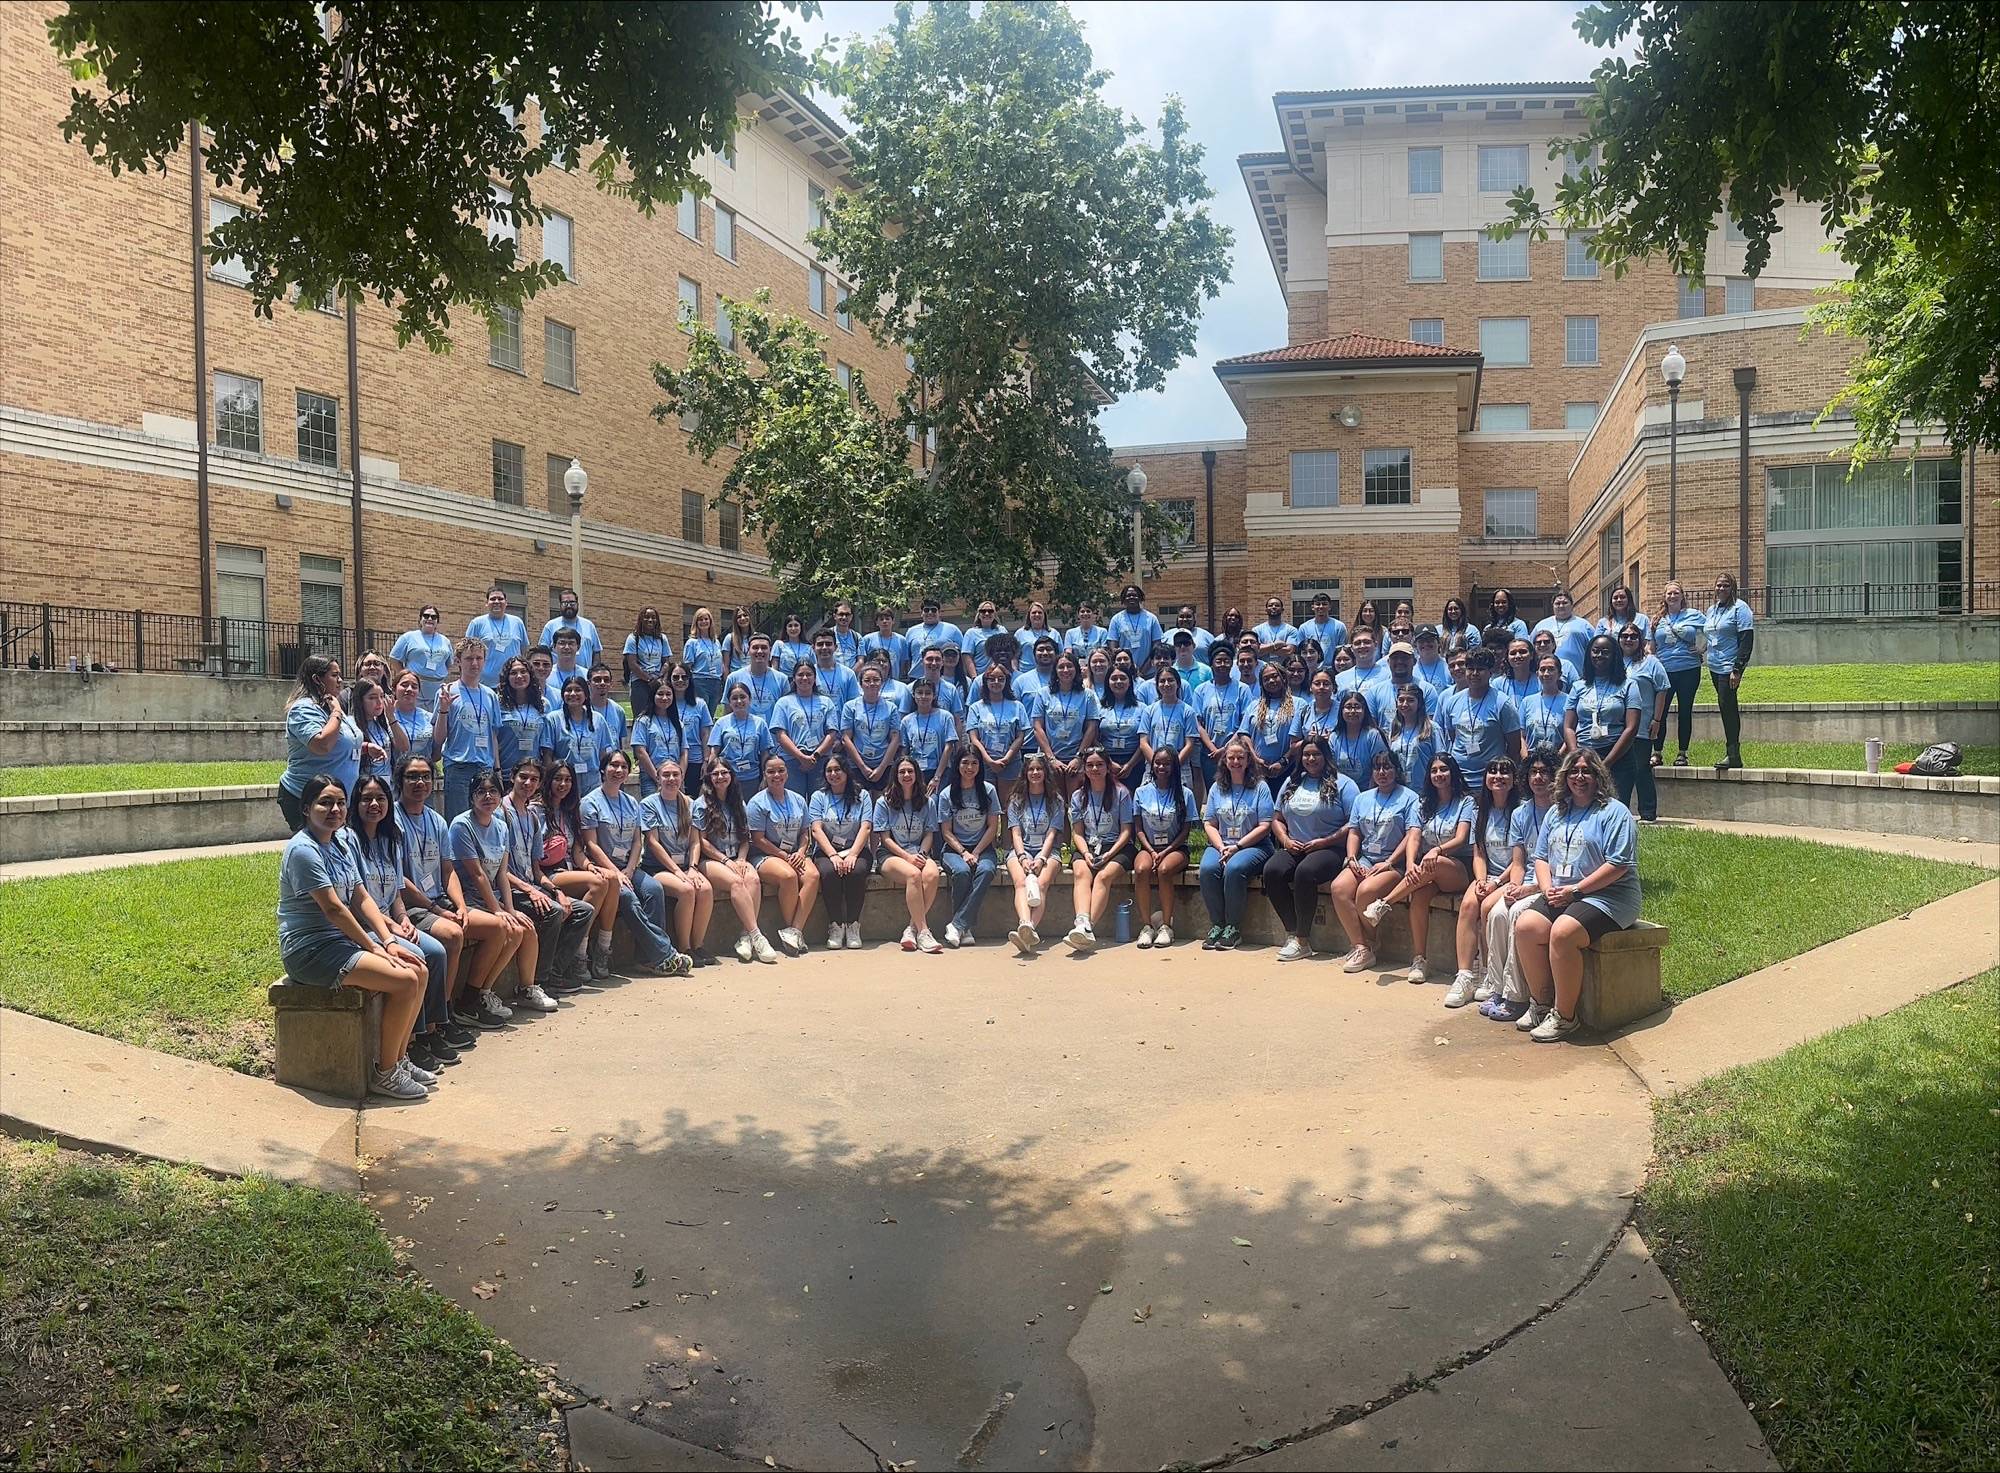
834,675
846,643
1572,634
1478,724
586,631
1324,627
427,651
886,641
931,633
1275,638
1135,627
503,635
1366,670
767,686
1184,618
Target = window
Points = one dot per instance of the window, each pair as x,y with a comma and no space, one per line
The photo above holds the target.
500,223
558,467
558,354
1510,515
725,232
559,243
840,318
1578,263
1304,590
816,289
1731,231
690,421
1427,330
1385,478
1576,160
1739,294
1503,417
517,596
725,325
322,592
687,215
815,206
503,338
1180,513
239,598
1579,416
728,527
1693,299
690,304
1427,257
1503,260
1386,593
226,268
1611,555
1886,539
1504,340
319,430
1426,171
1315,478
692,510
1502,167
728,154
844,376
509,474
239,413
1580,341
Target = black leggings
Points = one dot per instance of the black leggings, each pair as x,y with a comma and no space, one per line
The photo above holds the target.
1292,882
841,894
293,807
1732,718
1682,687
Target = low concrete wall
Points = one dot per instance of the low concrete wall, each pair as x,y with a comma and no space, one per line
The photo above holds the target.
71,824
59,743
62,695
1969,723
1882,641
1886,803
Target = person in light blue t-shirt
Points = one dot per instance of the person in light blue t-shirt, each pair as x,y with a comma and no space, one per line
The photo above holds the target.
1135,627
1035,827
870,727
1309,824
591,644
1275,636
321,738
502,635
887,641
929,633
426,650
1100,826
741,739
906,829
1571,633
1441,863
766,686
806,729
1237,821
1381,833
468,728
840,820
1679,636
1477,724
1604,712
1727,626
1545,714
778,821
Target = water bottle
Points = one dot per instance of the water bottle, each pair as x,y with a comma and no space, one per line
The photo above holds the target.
1873,753
1124,920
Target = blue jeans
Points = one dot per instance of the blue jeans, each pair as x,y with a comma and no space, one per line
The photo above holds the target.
708,688
968,885
458,787
436,1007
644,910
1225,889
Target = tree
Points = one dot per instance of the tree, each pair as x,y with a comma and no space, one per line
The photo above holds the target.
371,140
1886,113
1033,252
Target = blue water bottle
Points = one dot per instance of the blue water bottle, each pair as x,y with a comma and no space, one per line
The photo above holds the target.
1124,920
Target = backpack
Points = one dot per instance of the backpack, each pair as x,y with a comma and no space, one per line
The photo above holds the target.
1939,759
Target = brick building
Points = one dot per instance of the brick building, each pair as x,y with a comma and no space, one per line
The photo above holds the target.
1452,413
461,455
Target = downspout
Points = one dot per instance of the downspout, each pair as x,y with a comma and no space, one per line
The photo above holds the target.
200,379
1746,380
1208,541
354,466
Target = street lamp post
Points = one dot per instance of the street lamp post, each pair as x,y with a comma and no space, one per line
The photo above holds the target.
1673,368
1135,482
576,480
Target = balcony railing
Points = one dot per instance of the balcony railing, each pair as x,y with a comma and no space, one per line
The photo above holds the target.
67,637
1875,600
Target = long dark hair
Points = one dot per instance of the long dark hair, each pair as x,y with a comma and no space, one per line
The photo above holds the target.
568,809
1172,755
849,795
1131,696
388,840
955,789
1485,810
919,794
1450,625
714,803
354,700
312,670
1367,712
1498,616
1329,774
1428,801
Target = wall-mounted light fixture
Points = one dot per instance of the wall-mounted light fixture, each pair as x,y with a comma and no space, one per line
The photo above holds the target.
540,545
1349,417
284,502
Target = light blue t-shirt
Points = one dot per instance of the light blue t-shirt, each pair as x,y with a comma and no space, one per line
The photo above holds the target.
1137,632
1331,634
650,652
1220,707
1614,627
524,732
1600,707
1649,678
926,738
1081,641
921,636
526,831
304,720
417,726
1355,678
1100,820
661,738
1498,842
1163,816
1065,715
1168,725
1475,731
1271,729
590,644
1382,695
481,845
766,690
427,654
910,827
1524,829
469,725
424,843
1025,639
1542,721
381,870
806,720
1440,826
696,723
582,742
839,683
729,837
870,727
1382,821
1031,818
894,645
1236,811
1572,636
949,697
504,638
1674,637
997,724
1118,728
1436,674
1354,756
615,821
309,866
742,742
1725,629
1414,747
1277,632
779,821
966,820
976,640
657,816
1310,812
703,658
787,655
1574,845
841,818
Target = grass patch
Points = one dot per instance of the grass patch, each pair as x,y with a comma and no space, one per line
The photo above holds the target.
127,777
1737,902
170,956
155,1317
1831,1217
1767,683
1836,756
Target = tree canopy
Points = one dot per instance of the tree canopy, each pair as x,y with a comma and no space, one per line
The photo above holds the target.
1885,113
1033,251
371,140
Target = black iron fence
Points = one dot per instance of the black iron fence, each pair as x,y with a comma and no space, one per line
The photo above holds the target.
1875,600
68,637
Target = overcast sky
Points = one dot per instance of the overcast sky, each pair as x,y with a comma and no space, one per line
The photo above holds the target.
1226,61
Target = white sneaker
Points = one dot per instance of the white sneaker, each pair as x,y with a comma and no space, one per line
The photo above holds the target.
1529,1021
1145,937
1419,970
1019,937
534,999
909,938
1080,937
762,949
1033,891
854,935
1376,913
927,942
1292,950
1034,937
1554,1028
1358,960
793,939
1483,991
396,1084
417,1072
952,938
743,948
1163,937
836,934
1461,991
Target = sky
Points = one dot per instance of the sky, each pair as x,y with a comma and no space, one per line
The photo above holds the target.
1226,61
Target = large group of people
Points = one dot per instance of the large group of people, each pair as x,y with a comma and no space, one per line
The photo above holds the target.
460,805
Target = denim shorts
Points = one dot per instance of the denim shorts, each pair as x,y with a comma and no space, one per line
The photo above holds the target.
321,961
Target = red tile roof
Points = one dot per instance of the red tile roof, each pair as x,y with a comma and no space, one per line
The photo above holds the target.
1350,348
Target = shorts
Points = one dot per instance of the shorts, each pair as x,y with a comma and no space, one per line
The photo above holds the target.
1584,911
1121,855
426,920
1007,774
321,961
1394,865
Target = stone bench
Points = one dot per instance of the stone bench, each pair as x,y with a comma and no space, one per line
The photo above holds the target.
65,743
62,825
326,1037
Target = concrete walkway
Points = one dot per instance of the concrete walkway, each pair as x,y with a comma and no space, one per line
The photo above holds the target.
85,863
1948,851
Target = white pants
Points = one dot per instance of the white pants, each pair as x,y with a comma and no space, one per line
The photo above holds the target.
1503,966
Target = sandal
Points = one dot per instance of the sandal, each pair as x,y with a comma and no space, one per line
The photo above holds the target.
1681,760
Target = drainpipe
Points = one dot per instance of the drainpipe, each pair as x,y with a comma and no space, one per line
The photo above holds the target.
1208,541
354,466
1746,380
195,224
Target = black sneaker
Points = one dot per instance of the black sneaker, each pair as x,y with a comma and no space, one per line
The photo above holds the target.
457,1034
440,1049
1213,939
703,957
560,986
465,1013
1228,939
420,1054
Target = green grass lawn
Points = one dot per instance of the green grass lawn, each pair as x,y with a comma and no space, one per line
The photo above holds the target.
126,777
1831,1218
1813,683
1839,756
155,1317
1736,903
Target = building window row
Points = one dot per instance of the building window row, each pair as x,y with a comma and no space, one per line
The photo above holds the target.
239,420
1502,168
1386,479
1500,260
1510,514
1503,260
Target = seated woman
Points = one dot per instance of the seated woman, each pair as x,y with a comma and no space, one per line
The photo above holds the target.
562,925
1162,816
906,830
1497,866
673,857
1237,820
840,820
436,904
777,819
478,846
1501,993
724,825
1035,826
377,841
611,824
1309,824
968,833
1586,866
1100,826
1378,844
330,933
567,863
1441,862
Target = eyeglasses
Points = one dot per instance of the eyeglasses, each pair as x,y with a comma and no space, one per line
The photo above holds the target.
431,617
417,780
